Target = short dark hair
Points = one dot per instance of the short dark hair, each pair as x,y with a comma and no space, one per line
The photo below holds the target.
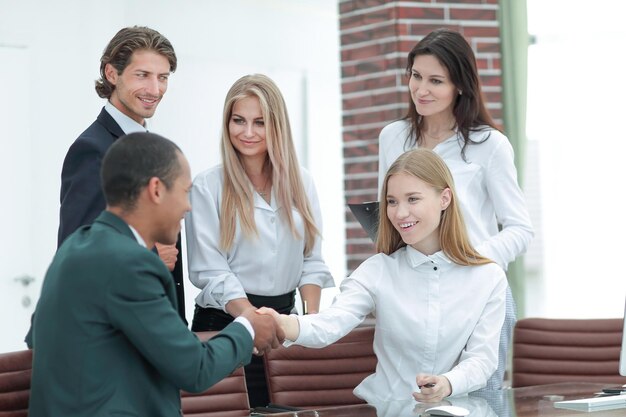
132,161
121,48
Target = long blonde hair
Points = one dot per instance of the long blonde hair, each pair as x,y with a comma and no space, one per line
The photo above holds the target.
238,197
429,167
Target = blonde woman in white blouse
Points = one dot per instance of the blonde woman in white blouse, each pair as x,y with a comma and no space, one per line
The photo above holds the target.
253,236
438,304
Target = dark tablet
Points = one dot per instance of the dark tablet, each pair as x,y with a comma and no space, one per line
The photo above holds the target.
367,214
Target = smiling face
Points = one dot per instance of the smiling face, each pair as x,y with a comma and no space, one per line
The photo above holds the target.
432,91
174,204
141,86
246,128
414,209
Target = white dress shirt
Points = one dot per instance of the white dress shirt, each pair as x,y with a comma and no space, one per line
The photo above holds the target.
127,124
272,264
432,316
486,186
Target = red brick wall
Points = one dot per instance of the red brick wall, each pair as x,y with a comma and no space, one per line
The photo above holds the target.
376,36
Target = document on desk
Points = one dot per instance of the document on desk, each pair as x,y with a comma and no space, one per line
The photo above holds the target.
610,402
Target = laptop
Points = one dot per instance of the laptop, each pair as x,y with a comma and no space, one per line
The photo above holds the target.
622,357
367,215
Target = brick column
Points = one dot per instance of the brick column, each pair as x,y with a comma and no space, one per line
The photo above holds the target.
376,36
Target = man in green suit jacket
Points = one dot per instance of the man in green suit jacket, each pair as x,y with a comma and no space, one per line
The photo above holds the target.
107,337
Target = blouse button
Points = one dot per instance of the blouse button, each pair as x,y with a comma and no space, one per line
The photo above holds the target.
272,219
435,268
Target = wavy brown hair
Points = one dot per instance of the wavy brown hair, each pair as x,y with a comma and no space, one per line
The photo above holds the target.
429,167
237,197
120,50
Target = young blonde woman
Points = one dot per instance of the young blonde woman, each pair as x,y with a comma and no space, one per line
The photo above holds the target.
438,304
447,114
253,236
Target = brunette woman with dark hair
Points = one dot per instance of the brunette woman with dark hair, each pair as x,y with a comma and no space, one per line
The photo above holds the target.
447,114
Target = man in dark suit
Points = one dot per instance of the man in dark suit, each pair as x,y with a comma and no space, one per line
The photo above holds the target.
107,338
134,70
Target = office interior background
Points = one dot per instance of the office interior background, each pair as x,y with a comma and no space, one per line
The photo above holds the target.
49,59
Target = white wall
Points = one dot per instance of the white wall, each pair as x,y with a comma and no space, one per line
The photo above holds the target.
575,114
293,41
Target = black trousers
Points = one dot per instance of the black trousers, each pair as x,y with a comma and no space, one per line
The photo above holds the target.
205,319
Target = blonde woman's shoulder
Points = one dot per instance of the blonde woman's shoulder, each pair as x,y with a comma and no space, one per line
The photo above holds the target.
209,177
492,270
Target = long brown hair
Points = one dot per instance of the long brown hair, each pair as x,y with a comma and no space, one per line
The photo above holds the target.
429,167
237,197
454,53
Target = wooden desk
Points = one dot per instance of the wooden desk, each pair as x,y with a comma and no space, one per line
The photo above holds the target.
519,402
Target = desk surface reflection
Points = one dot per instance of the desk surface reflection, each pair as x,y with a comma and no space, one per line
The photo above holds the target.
536,401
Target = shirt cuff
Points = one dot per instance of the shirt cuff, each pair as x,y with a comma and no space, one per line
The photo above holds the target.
246,324
457,382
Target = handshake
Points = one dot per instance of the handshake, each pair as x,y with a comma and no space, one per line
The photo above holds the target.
270,328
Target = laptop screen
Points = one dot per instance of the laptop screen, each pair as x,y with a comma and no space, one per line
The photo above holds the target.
622,357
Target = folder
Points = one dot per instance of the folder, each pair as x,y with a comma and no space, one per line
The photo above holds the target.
367,215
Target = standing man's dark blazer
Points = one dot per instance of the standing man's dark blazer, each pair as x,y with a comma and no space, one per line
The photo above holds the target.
107,338
82,199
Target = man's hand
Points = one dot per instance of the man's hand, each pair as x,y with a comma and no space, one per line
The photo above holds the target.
168,254
267,334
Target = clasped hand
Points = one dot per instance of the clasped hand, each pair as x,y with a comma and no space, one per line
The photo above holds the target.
268,334
289,324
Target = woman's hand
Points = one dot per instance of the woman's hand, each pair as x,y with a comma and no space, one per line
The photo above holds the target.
289,324
311,295
434,388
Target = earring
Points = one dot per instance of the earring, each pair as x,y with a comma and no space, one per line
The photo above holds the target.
460,92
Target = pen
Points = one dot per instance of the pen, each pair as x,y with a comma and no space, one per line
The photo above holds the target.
429,385
305,310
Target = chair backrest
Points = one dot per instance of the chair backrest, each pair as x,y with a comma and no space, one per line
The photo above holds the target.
313,378
227,398
15,373
547,351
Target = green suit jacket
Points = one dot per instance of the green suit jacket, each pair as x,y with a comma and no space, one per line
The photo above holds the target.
107,338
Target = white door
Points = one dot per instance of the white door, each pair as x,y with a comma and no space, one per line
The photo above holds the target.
18,286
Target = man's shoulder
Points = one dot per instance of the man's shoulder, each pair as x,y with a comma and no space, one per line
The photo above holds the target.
100,134
111,255
96,134
103,240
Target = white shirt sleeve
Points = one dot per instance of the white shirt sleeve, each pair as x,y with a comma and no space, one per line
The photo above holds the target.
349,308
246,323
479,359
314,269
208,266
510,208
